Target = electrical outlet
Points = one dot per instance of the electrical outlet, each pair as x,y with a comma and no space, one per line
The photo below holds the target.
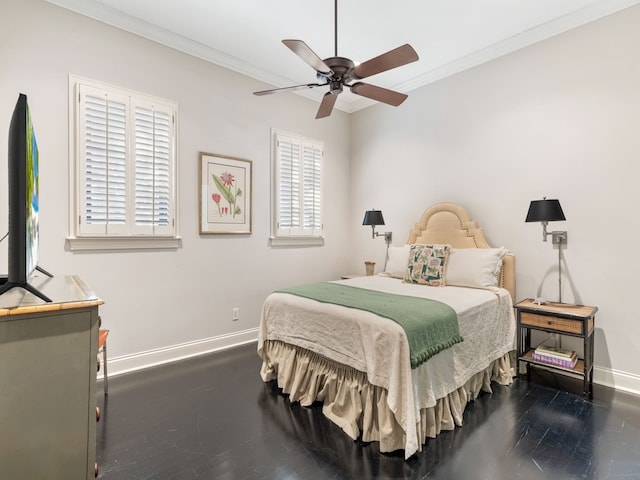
235,314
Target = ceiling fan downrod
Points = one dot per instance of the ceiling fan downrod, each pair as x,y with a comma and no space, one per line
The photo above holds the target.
335,29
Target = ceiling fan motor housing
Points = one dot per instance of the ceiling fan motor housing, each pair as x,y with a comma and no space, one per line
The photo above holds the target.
341,69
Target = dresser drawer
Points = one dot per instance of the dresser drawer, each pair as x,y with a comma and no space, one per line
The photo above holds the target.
551,322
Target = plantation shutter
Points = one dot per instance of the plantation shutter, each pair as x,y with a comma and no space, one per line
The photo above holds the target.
103,142
298,189
289,186
126,164
311,188
153,176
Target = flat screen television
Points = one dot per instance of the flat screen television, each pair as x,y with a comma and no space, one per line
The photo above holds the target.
23,201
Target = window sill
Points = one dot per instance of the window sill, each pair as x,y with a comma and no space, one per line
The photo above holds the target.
80,244
296,241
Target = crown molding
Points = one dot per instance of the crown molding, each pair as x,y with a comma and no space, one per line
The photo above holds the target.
109,16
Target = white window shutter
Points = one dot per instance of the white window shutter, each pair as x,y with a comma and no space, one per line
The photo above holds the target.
103,141
152,183
311,187
289,186
298,166
125,166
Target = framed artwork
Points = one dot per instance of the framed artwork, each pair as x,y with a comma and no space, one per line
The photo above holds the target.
225,194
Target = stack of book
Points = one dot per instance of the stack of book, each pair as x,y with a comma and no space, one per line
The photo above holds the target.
555,356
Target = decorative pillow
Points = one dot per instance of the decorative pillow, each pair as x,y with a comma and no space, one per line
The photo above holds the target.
397,262
427,264
475,267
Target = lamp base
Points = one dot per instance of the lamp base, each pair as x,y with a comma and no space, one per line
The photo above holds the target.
369,267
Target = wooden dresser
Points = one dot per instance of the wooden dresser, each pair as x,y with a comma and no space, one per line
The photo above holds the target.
48,362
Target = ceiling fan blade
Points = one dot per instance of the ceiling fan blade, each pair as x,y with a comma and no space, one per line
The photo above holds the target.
326,106
392,59
288,89
305,53
380,94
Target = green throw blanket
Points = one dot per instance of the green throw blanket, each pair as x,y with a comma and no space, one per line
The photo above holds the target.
431,326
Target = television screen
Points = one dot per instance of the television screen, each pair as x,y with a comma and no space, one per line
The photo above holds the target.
31,216
23,200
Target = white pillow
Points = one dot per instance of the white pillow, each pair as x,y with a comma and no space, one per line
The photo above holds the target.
397,262
475,267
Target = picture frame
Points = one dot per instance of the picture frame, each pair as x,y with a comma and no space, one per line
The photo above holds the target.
225,194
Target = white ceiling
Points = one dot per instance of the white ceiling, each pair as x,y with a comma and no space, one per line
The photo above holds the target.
245,35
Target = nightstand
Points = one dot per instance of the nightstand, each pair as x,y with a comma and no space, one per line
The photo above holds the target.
560,318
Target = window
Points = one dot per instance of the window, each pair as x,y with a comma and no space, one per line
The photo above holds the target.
297,204
124,166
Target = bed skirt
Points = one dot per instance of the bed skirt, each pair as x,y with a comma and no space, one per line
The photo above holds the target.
360,408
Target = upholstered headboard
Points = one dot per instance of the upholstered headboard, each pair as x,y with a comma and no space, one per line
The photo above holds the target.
450,223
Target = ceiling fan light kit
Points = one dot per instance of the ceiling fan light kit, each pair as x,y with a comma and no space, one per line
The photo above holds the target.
339,72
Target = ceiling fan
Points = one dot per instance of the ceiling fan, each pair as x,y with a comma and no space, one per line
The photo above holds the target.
339,72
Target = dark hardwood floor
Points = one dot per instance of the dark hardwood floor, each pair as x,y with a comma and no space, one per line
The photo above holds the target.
212,417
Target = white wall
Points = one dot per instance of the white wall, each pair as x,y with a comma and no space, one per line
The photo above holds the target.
159,299
559,119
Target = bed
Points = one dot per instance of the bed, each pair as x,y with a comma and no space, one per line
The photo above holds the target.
361,366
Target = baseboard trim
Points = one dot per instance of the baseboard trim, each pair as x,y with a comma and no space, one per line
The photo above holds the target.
618,380
622,381
173,353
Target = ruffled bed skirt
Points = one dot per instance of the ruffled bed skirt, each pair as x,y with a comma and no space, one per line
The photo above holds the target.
357,406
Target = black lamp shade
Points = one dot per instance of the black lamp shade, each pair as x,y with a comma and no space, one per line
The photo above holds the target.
373,217
545,211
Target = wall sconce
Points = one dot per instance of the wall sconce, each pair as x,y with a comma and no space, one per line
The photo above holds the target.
373,218
545,211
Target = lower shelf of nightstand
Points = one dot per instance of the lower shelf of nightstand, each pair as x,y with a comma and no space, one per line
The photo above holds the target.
578,369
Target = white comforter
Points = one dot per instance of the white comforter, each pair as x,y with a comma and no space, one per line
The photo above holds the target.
379,347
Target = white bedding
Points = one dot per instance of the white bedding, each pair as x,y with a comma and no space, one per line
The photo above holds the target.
378,346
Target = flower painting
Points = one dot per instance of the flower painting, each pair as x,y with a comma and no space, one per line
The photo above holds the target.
228,190
225,194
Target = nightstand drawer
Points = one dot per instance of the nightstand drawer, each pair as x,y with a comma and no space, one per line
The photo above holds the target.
550,322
